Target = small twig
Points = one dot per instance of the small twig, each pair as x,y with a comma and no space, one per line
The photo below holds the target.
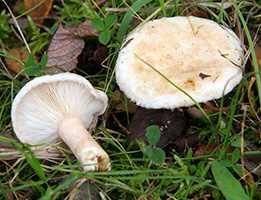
194,31
244,108
253,170
252,107
117,10
31,9
133,11
120,125
17,26
231,61
252,52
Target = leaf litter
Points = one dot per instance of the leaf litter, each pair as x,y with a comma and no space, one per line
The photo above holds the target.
38,9
67,44
12,62
171,124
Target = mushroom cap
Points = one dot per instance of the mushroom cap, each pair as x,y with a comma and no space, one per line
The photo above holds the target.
44,102
198,55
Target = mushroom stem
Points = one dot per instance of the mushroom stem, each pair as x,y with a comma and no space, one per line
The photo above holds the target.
82,144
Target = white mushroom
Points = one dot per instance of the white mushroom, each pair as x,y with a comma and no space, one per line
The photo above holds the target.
61,106
198,55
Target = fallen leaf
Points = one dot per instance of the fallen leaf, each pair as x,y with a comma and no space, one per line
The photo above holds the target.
22,22
205,149
99,55
84,29
227,183
94,54
171,124
19,54
67,44
40,8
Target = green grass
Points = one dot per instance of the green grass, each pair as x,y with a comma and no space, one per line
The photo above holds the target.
28,175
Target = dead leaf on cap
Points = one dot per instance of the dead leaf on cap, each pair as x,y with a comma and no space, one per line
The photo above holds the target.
19,54
171,124
67,44
40,8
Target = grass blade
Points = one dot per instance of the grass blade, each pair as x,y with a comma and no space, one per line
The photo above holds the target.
228,185
252,53
29,156
137,5
177,87
34,163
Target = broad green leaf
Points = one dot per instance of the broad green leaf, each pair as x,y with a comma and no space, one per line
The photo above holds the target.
236,155
105,37
158,156
35,164
236,141
31,67
109,21
98,24
56,190
227,183
44,60
136,6
153,134
148,151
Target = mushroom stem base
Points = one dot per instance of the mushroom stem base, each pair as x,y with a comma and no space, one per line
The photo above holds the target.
82,144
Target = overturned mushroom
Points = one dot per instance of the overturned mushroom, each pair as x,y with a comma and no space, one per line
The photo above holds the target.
198,55
61,106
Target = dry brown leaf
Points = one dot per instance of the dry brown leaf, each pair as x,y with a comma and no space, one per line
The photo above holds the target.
172,123
205,149
19,54
84,29
67,45
64,50
40,8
